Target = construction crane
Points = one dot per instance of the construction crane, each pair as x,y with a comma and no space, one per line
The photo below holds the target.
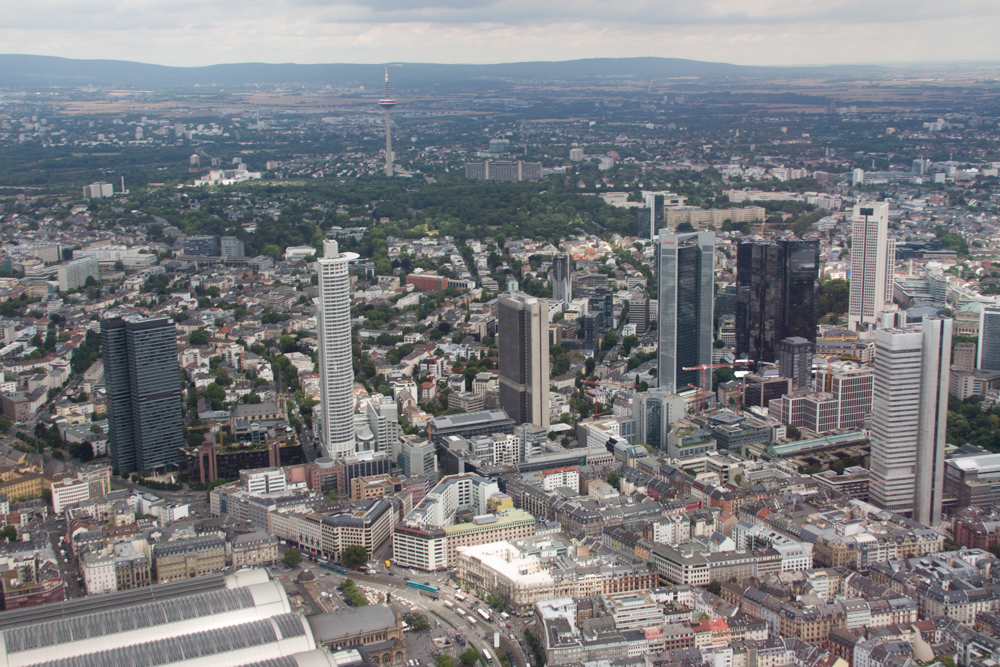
600,382
828,379
704,368
204,426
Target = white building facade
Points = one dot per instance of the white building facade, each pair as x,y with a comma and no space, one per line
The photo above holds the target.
336,364
873,257
910,407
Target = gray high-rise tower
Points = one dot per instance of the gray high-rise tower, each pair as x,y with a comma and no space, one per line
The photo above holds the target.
145,424
873,258
989,339
562,278
795,357
387,103
336,363
524,358
685,285
909,411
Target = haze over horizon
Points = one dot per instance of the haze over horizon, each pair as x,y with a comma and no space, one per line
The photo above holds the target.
757,32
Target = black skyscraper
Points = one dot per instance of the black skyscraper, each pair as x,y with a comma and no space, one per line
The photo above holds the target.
145,425
603,302
776,295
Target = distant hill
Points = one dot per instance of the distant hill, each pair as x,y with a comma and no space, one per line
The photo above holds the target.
32,72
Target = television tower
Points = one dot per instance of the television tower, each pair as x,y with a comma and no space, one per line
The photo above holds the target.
387,103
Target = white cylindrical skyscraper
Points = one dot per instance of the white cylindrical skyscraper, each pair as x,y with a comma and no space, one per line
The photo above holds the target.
336,363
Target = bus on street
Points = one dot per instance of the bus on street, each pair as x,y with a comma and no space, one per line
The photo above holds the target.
485,614
489,658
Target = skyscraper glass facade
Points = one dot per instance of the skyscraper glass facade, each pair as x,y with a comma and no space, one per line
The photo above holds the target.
145,426
685,284
776,295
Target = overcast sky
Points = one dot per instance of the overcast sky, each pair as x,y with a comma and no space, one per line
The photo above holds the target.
752,32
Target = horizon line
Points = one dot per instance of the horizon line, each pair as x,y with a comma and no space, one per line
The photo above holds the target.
400,63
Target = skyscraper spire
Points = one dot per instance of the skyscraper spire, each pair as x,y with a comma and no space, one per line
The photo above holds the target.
387,103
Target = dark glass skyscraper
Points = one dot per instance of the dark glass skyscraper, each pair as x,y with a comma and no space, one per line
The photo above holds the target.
776,295
685,287
145,426
603,302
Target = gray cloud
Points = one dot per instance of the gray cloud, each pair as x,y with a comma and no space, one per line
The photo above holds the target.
159,15
746,31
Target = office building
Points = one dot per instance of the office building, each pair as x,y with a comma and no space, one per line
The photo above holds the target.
520,577
973,478
638,313
504,170
685,284
366,524
186,559
655,410
383,421
776,295
419,459
259,481
207,246
873,257
649,218
593,326
760,390
795,358
469,425
842,400
430,534
74,274
989,339
562,278
232,247
603,301
98,190
909,411
576,154
963,356
336,362
964,384
499,146
523,330
145,427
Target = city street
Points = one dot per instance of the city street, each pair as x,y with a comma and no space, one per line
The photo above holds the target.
54,529
406,599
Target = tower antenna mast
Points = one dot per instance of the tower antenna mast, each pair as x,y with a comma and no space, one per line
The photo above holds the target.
387,103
